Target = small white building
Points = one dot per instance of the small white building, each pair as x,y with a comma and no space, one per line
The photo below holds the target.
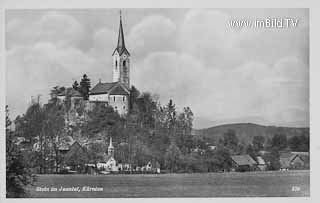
111,164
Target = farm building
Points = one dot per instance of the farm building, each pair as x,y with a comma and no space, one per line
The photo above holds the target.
261,164
243,163
294,160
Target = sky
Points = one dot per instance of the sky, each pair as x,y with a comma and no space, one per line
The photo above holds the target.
224,74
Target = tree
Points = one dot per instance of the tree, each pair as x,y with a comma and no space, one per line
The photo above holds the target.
184,138
101,119
134,94
230,140
193,163
75,85
30,124
218,160
299,143
251,151
170,119
272,159
279,141
96,152
76,157
18,175
55,91
31,127
85,87
54,129
258,143
172,158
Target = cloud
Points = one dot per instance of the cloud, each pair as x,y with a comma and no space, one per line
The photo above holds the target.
206,34
34,70
104,41
153,33
53,26
252,89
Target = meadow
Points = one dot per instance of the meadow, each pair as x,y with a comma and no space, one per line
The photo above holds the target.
249,184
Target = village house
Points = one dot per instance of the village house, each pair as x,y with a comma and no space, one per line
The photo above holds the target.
261,164
294,160
243,163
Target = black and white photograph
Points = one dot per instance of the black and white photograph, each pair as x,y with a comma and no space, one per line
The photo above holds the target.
157,102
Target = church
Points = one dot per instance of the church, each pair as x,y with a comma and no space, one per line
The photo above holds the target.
117,92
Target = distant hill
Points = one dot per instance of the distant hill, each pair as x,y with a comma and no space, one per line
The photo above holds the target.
246,131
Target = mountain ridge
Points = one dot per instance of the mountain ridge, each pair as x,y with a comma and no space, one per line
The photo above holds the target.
246,131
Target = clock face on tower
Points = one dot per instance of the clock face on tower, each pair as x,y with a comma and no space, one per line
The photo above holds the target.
124,56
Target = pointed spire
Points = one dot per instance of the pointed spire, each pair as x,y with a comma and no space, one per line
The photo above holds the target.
110,144
121,44
121,47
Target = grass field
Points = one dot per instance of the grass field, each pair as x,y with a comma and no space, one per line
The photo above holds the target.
250,184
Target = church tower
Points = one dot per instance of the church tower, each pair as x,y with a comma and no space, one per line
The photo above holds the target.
121,60
111,148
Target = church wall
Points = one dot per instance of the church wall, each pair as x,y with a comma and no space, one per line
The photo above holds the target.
116,101
99,97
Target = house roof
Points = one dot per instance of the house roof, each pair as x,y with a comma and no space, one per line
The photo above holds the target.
242,160
112,88
287,157
286,160
260,160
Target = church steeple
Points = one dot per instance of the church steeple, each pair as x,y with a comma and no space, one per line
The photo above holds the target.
121,36
110,148
121,47
121,60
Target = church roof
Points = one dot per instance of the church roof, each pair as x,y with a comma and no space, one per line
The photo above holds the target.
118,90
112,88
102,88
121,47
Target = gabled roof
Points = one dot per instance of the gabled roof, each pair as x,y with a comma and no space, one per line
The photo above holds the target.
285,161
119,90
112,88
287,157
260,160
102,88
242,160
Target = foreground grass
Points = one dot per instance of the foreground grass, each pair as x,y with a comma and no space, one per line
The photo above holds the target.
250,184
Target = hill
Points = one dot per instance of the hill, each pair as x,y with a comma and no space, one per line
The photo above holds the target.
246,131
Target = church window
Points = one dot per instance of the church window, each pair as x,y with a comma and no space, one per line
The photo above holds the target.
116,65
124,63
114,98
123,98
